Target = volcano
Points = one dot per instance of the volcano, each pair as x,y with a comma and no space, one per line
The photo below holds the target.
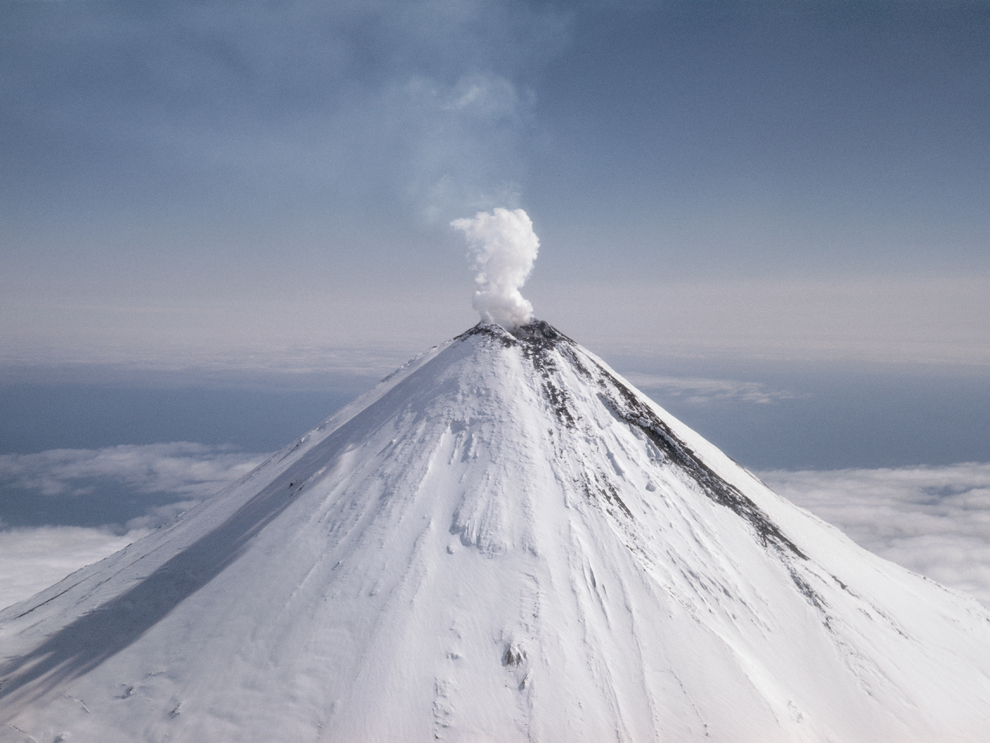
502,541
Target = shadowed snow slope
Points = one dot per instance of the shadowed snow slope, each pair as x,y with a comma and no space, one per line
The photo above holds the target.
503,541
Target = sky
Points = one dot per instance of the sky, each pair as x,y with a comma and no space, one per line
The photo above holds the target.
184,179
220,221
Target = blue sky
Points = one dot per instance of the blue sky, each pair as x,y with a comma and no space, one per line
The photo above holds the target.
193,179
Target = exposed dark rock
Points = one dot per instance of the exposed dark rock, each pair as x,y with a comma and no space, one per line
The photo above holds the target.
538,340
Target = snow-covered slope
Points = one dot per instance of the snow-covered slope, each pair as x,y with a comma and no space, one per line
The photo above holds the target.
503,541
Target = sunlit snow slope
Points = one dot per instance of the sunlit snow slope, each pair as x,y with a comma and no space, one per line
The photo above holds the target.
503,541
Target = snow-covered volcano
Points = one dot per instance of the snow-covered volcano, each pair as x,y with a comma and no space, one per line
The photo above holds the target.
503,541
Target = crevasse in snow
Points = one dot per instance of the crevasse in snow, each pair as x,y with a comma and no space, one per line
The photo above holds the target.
503,541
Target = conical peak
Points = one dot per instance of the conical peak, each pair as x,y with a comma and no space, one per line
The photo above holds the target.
504,540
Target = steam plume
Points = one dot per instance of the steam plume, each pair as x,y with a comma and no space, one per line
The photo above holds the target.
505,248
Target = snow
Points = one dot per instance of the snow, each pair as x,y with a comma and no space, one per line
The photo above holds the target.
503,541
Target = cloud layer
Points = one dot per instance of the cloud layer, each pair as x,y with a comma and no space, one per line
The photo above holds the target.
933,520
127,490
119,488
704,390
183,468
31,559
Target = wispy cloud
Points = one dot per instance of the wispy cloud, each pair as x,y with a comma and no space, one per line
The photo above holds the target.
703,390
933,520
341,99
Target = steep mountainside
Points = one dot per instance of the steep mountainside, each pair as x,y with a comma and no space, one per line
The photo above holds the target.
503,541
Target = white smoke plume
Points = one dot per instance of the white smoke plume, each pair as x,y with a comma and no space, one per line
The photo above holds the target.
505,248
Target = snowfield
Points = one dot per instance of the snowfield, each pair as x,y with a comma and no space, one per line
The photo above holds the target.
503,541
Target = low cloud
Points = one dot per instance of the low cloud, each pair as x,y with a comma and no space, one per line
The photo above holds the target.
192,470
932,520
118,488
31,559
152,484
702,390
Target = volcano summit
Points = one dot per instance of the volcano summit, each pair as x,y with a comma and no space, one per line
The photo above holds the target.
503,541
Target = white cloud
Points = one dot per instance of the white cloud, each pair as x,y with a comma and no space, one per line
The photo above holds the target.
31,559
932,520
703,390
182,468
